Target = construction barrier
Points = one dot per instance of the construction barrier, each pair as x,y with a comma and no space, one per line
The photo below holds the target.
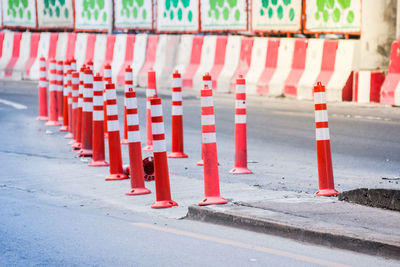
8,46
187,78
139,56
219,59
184,52
151,54
232,54
297,67
206,60
257,63
245,56
390,94
165,61
123,60
27,40
270,66
367,86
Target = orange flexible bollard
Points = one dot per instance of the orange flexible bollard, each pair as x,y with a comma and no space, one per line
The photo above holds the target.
128,85
151,92
87,115
53,116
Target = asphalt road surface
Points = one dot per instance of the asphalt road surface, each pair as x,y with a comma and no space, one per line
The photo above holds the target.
56,211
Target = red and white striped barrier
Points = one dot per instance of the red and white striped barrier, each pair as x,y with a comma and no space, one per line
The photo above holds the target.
232,54
60,89
269,69
114,143
257,64
109,53
164,66
209,150
134,145
33,54
128,85
243,66
24,53
240,129
42,91
7,51
53,116
183,53
163,191
177,118
151,92
325,172
219,59
151,51
87,115
390,91
46,48
123,55
297,68
98,157
195,57
16,51
139,55
367,86
206,60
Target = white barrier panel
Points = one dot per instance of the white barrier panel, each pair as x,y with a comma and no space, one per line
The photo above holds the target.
257,65
333,16
182,16
62,43
92,16
184,53
43,51
8,44
80,49
281,15
119,55
206,60
139,55
19,13
226,15
55,14
165,59
133,14
99,51
345,62
312,69
24,54
284,65
232,54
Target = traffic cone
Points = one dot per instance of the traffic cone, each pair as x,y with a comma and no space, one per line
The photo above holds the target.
64,128
209,151
98,158
163,191
53,116
135,147
107,79
73,64
87,115
114,142
60,87
75,96
69,99
177,118
150,93
206,81
42,91
128,85
78,143
240,129
325,172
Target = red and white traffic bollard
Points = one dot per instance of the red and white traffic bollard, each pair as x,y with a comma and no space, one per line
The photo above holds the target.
69,99
78,143
60,87
177,118
206,81
325,172
53,116
107,79
151,92
75,96
114,142
64,128
89,65
209,151
87,115
163,191
73,64
240,129
42,91
98,158
135,147
128,85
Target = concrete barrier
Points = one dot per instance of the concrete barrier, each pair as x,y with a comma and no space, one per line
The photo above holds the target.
71,44
367,86
206,60
257,64
19,68
297,67
34,47
340,85
184,52
151,53
61,48
80,49
99,55
139,56
312,69
243,66
47,48
166,59
195,57
390,86
232,54
270,66
219,59
128,48
276,85
8,70
1,43
118,57
8,45
109,53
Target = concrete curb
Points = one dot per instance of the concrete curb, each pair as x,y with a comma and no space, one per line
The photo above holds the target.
322,237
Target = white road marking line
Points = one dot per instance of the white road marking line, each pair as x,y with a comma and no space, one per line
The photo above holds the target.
13,104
